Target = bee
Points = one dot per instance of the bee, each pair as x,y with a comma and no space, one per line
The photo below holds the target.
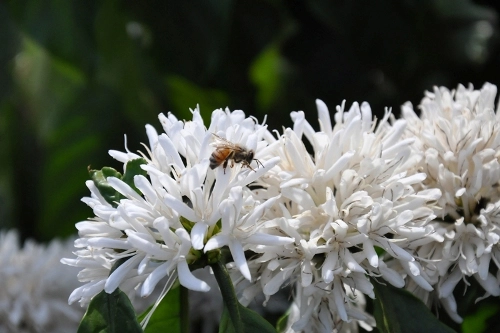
226,151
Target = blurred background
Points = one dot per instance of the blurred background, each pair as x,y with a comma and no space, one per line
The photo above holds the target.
75,76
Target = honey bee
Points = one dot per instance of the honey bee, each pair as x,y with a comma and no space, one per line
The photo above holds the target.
226,151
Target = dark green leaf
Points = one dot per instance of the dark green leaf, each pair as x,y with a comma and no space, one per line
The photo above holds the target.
225,325
110,313
99,177
252,322
133,168
397,310
166,317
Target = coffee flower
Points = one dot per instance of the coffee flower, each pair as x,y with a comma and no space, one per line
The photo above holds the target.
176,210
343,204
458,141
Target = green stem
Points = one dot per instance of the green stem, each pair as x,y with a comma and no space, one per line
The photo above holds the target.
228,295
184,313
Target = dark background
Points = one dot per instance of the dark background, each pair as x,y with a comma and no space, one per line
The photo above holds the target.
75,76
78,75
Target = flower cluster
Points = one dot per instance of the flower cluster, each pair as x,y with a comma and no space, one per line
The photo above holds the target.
329,212
184,208
457,144
30,301
340,203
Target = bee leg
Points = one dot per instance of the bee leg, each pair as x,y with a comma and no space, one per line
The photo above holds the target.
249,166
224,166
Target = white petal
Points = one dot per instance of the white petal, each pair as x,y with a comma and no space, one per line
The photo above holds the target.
198,235
351,263
391,276
260,210
339,165
95,229
450,281
153,278
339,299
306,275
188,280
143,184
370,253
460,192
120,273
180,207
152,136
216,242
324,117
450,305
329,265
490,284
121,156
170,151
148,245
239,259
123,188
185,241
267,239
484,263
393,249
103,242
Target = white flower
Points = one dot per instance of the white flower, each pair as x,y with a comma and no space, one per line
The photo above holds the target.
458,142
179,209
323,310
340,203
34,287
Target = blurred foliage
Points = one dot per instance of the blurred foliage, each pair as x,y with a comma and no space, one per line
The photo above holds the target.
478,321
75,76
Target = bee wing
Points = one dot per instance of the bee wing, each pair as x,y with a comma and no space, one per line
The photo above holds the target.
221,140
223,143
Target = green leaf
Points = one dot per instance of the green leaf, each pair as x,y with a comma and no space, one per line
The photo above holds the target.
110,313
252,322
99,177
166,317
133,169
225,325
397,310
